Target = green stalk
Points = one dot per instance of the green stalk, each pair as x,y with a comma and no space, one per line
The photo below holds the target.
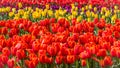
88,64
66,66
39,65
77,64
119,63
5,66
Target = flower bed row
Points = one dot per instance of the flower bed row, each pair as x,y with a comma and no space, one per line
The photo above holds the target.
85,12
52,43
61,2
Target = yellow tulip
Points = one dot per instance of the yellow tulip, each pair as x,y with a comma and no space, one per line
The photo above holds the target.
79,18
7,9
104,9
116,7
37,9
29,8
46,10
21,12
3,10
47,6
70,17
115,11
40,10
65,11
102,12
50,12
74,13
88,13
43,14
56,16
103,16
118,11
25,16
14,10
89,19
90,6
35,15
72,5
81,12
60,17
56,12
0,9
86,7
95,9
96,15
19,5
11,14
61,12
114,17
107,14
76,8
83,9
16,16
92,14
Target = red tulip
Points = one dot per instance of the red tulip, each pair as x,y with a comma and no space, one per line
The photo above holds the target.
84,55
118,53
63,51
4,59
52,20
108,61
1,48
52,51
59,59
32,55
83,62
11,63
61,21
113,52
102,64
36,46
101,53
49,60
101,24
13,50
6,51
117,34
4,30
61,29
1,65
71,44
42,58
30,64
20,54
77,49
13,31
70,59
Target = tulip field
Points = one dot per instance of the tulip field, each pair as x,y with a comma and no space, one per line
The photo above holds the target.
59,33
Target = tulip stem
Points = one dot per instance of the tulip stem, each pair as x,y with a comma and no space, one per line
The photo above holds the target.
5,66
39,65
77,64
119,63
66,66
61,66
88,64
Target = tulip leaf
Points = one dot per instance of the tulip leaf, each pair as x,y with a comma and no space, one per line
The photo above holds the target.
96,30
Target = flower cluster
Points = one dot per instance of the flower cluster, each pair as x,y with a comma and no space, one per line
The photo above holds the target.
59,34
51,43
36,13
